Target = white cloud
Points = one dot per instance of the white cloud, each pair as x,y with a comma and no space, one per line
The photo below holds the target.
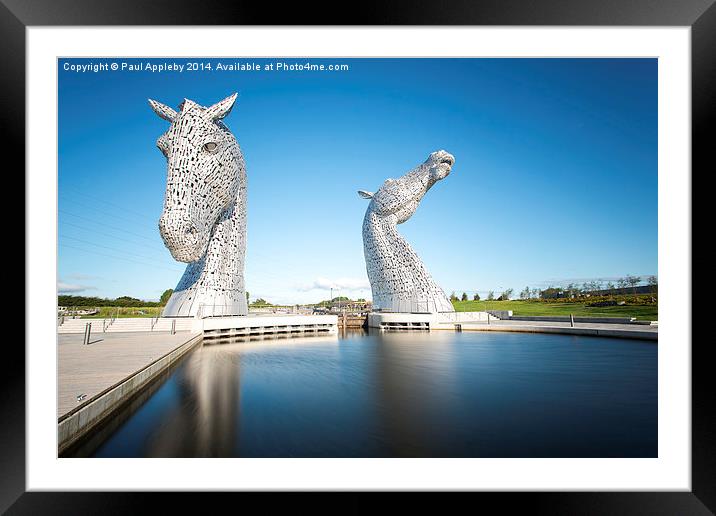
69,288
81,276
345,284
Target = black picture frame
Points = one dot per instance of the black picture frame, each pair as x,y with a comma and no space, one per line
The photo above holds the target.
700,15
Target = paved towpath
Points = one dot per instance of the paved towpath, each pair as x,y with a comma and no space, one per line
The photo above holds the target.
580,328
107,360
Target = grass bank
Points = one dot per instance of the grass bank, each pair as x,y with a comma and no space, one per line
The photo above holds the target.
105,312
641,312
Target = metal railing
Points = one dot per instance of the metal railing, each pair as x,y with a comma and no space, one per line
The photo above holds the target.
107,322
216,310
418,306
88,331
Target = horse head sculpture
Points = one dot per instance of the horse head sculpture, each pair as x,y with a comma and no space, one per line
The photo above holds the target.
204,218
399,280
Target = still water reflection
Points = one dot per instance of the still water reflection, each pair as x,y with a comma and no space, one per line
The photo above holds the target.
398,395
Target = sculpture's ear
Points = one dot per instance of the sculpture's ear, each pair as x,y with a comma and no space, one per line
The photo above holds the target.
365,195
221,109
187,104
163,111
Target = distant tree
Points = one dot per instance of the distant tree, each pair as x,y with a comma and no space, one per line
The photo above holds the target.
623,282
653,282
260,301
525,294
552,292
123,301
453,297
165,296
610,286
633,281
476,297
247,296
463,297
505,296
490,295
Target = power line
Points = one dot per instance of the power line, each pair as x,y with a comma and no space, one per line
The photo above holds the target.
134,219
151,265
110,235
257,265
286,270
103,225
103,201
280,265
110,248
262,256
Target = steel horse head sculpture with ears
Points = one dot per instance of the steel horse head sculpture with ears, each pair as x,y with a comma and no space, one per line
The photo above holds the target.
399,280
204,218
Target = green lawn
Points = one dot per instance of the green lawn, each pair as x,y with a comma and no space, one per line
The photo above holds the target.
105,312
642,312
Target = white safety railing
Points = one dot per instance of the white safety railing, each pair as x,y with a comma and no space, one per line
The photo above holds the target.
219,310
418,306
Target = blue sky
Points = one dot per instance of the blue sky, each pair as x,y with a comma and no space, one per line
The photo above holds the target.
555,177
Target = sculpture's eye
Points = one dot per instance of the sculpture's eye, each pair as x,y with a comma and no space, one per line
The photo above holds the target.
210,147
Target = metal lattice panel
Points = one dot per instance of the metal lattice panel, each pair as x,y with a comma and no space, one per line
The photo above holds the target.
399,280
204,218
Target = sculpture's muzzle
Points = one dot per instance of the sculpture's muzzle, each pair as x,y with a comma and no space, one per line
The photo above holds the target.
440,163
182,237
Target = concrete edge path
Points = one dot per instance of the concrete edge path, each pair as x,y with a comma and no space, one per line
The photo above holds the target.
110,371
626,331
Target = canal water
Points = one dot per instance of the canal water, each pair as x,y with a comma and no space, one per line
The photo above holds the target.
438,394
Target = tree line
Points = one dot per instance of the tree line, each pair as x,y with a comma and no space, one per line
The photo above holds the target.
67,300
122,301
571,290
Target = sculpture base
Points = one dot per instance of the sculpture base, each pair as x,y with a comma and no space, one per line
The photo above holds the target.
434,321
190,303
256,327
394,304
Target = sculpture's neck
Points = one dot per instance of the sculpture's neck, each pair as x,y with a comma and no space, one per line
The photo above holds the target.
387,251
216,281
225,251
385,229
399,280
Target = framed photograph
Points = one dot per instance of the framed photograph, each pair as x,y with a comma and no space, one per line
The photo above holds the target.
423,252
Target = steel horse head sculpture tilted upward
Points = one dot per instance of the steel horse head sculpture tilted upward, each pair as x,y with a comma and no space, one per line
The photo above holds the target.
204,218
399,280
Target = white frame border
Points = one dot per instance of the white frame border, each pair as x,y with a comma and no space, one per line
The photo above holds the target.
671,471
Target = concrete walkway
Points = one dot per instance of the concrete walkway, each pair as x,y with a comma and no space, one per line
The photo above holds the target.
106,361
638,331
